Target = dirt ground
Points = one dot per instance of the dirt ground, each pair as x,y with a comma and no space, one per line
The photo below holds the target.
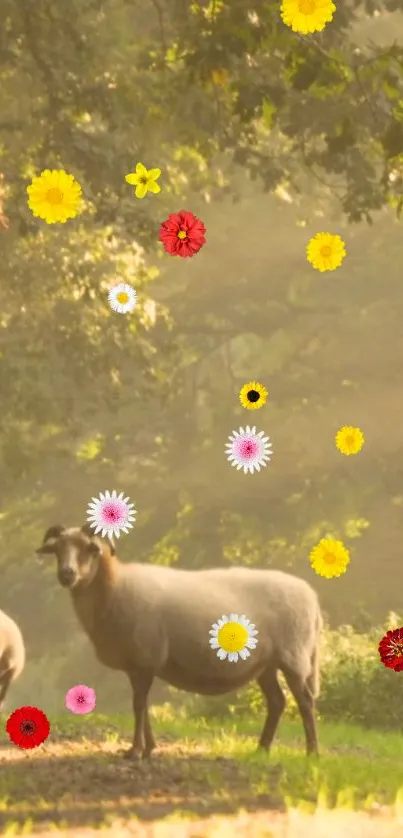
79,787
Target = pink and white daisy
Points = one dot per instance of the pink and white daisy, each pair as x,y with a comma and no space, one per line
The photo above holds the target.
80,699
110,513
248,449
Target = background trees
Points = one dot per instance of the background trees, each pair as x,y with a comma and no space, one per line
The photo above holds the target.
268,137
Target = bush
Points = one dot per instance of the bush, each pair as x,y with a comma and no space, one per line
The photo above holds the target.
355,686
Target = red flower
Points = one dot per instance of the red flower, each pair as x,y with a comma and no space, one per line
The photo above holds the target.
391,649
28,727
182,234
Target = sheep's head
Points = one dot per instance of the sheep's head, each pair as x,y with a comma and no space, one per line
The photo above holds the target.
78,552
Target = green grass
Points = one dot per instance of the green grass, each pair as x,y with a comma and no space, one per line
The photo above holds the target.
355,764
202,769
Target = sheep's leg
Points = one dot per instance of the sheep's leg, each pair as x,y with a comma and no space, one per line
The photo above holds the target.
306,705
141,685
5,681
150,742
275,701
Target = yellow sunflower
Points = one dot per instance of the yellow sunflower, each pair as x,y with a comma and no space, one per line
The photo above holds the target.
54,196
307,16
325,251
145,180
329,558
349,440
253,395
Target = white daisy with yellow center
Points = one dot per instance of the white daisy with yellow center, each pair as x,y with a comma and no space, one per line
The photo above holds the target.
233,636
122,298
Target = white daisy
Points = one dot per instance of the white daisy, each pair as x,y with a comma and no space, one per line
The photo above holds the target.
233,636
111,513
248,450
122,298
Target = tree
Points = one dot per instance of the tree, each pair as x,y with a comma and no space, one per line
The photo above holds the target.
208,92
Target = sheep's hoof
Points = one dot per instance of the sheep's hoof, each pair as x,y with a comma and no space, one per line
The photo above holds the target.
132,754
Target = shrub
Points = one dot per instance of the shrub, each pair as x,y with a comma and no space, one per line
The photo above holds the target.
355,686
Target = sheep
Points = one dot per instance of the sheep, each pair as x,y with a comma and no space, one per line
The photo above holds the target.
12,654
150,621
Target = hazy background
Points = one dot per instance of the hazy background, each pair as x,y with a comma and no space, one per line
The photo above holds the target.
300,136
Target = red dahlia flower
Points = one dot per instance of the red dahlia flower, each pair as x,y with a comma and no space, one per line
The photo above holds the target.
182,234
28,727
391,649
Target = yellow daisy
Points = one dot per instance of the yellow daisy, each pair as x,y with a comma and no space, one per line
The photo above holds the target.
232,637
307,16
145,180
253,395
325,251
54,196
329,558
349,440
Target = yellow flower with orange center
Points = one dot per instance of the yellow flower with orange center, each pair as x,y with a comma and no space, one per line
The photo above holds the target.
349,440
325,251
54,196
329,558
307,16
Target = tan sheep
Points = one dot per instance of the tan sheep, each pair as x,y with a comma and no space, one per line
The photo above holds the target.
151,621
12,654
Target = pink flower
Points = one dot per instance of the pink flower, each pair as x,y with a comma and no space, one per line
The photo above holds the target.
248,449
80,699
111,513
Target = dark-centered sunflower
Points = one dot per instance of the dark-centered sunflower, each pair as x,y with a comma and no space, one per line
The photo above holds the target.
253,395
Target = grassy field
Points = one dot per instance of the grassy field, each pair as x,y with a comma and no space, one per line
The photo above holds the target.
204,780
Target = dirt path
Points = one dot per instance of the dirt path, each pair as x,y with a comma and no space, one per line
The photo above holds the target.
80,786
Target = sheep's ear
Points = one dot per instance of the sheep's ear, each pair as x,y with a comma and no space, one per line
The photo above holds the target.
87,530
49,540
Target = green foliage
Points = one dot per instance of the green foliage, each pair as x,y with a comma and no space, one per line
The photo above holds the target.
355,686
228,102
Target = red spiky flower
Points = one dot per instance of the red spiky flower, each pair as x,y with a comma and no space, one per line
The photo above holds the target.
28,727
182,234
391,649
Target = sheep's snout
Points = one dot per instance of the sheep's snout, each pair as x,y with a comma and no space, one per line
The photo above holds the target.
67,577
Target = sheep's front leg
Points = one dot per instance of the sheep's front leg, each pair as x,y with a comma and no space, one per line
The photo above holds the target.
150,742
5,681
143,740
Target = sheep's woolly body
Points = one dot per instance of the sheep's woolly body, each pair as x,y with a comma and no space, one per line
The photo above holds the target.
12,652
158,619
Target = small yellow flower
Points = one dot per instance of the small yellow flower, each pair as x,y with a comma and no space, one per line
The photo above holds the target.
253,395
307,16
349,440
329,558
145,180
325,251
219,77
54,196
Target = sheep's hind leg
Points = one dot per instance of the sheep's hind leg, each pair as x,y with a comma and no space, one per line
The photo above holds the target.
306,705
275,701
